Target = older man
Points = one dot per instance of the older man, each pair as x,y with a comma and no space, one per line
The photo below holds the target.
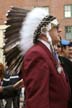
44,79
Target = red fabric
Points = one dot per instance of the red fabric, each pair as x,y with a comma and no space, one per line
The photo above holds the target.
45,87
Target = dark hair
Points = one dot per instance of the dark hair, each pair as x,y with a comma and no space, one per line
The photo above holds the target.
70,45
2,66
59,46
2,70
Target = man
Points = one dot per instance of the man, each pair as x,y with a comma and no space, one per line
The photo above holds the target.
66,63
44,80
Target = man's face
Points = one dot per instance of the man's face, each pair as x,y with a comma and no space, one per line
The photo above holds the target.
55,34
57,48
66,51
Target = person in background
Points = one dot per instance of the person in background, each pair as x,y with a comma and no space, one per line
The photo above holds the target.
44,79
1,79
9,88
64,56
15,100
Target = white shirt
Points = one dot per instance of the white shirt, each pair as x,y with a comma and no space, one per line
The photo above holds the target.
45,43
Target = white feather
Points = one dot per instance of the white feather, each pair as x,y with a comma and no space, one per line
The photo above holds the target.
29,26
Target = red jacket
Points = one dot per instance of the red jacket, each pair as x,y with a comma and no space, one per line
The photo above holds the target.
45,87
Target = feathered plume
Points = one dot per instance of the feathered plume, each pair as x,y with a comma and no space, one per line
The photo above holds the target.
15,17
29,26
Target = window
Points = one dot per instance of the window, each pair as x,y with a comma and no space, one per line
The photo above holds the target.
68,11
68,32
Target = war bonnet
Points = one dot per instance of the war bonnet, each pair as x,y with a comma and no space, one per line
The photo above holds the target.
32,26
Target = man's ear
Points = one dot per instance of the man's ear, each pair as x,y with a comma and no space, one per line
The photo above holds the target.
44,30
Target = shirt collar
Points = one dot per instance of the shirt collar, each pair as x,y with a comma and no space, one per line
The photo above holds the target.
45,43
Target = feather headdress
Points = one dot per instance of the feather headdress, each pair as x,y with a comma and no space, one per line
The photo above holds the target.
29,26
15,17
23,28
32,26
